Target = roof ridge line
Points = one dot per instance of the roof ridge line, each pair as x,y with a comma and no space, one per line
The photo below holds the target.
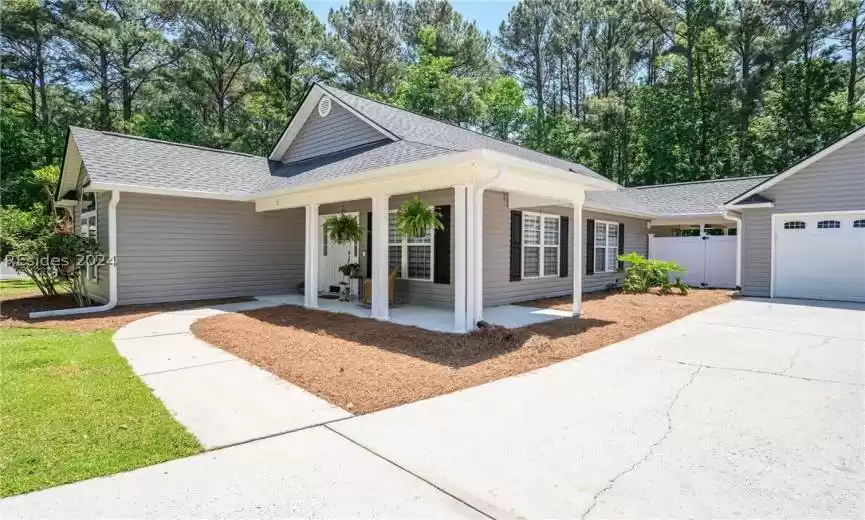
171,143
705,181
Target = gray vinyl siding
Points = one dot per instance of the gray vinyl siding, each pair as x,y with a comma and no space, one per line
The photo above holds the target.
340,130
756,251
500,290
405,291
174,249
834,183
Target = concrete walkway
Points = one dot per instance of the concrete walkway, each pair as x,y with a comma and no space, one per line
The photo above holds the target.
218,397
752,409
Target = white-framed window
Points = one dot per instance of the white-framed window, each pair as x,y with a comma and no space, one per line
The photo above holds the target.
829,224
860,223
89,228
540,245
412,257
606,246
794,224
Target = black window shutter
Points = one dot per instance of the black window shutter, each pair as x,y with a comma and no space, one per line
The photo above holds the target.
590,246
563,247
369,244
516,246
621,245
442,246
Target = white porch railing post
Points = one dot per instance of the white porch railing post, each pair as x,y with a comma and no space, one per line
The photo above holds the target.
310,290
651,251
380,262
459,226
577,251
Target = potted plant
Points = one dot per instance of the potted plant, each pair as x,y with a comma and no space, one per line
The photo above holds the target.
352,270
343,229
415,218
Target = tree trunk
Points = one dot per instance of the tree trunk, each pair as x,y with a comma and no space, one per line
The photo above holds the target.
125,86
43,88
104,102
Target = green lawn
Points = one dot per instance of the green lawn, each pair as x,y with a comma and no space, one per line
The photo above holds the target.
71,409
17,287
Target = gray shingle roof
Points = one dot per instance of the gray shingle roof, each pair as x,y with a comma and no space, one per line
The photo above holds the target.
123,159
369,157
686,198
420,129
619,200
693,197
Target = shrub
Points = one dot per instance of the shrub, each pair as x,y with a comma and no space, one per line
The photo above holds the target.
644,274
38,246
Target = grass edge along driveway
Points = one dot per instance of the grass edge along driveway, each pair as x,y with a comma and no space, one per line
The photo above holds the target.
71,409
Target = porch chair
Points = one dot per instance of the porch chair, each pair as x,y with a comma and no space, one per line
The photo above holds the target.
367,288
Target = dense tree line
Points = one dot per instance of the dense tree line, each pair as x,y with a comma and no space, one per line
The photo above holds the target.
643,92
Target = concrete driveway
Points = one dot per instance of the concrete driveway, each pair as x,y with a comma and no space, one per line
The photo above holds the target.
750,409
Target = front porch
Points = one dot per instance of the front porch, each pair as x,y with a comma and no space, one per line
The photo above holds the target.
442,280
430,318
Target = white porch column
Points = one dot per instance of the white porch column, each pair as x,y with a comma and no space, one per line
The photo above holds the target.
471,197
578,251
478,267
310,291
380,257
459,229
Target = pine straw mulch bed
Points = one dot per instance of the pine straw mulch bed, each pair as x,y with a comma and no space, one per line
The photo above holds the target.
363,365
15,311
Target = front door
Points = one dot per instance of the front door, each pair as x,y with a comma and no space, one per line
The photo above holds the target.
331,256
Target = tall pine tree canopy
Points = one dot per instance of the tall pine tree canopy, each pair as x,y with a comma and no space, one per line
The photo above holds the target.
669,91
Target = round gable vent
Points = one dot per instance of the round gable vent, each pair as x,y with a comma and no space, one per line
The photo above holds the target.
324,106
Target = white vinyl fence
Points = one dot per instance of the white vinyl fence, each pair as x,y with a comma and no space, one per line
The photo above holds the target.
709,261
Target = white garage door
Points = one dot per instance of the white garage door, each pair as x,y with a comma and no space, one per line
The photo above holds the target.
820,256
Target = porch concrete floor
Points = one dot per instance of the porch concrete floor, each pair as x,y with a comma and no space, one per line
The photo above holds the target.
439,320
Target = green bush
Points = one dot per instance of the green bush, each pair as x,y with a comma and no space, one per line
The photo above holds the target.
644,274
41,247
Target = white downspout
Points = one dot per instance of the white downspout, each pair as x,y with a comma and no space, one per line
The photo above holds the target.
738,221
112,269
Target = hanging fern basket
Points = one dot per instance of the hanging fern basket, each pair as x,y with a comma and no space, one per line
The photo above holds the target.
415,218
343,229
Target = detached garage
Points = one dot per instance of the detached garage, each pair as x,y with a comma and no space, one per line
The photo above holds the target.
803,230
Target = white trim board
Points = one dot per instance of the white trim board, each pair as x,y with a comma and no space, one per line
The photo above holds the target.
797,167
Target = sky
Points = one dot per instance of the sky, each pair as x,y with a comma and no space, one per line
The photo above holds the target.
487,13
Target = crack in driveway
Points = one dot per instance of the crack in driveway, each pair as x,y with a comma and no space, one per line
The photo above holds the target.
612,481
799,349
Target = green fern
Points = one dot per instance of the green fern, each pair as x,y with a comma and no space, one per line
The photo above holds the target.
415,218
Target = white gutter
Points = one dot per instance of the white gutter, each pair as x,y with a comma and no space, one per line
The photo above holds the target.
112,270
738,221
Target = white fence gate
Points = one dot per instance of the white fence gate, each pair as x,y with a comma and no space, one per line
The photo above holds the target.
709,261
